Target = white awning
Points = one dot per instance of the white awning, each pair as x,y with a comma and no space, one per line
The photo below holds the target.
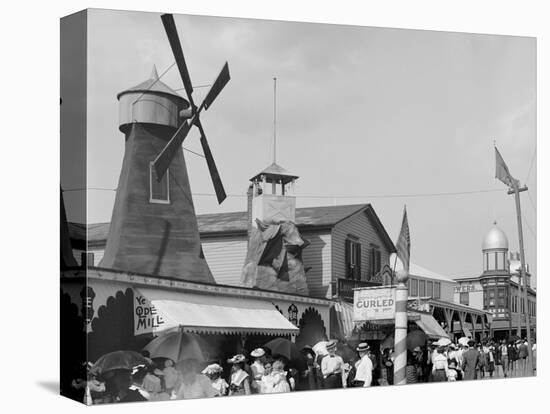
430,326
208,313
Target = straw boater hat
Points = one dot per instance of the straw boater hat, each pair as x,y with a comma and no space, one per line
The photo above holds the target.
362,347
257,353
331,345
237,359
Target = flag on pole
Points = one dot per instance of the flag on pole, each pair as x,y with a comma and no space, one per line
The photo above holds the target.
403,244
501,170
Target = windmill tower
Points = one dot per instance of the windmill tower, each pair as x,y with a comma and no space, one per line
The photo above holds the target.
154,228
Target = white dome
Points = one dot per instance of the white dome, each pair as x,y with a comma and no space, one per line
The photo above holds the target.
495,239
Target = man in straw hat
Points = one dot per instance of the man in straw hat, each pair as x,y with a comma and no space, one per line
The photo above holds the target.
363,367
332,367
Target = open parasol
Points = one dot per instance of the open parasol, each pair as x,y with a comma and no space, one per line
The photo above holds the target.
287,349
177,346
416,338
119,360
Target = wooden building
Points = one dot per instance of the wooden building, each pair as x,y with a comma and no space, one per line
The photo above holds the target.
349,247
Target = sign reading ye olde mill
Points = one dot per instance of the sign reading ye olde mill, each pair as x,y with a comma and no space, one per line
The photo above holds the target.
374,303
146,318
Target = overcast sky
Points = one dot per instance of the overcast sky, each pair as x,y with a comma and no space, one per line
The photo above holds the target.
362,113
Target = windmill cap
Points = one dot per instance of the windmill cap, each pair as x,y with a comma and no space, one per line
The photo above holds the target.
153,85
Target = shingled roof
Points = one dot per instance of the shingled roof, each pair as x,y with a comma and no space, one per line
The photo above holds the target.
237,222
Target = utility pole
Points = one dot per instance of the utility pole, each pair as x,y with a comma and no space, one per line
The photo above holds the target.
523,275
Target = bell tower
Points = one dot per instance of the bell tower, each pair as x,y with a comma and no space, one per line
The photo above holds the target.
153,226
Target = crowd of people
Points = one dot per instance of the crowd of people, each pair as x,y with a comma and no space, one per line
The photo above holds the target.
263,373
468,361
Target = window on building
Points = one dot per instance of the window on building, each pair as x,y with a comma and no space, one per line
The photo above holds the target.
522,304
375,261
465,298
501,302
430,289
414,287
421,288
437,290
159,191
353,258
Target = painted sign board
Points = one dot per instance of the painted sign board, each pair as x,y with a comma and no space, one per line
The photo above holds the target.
146,317
374,303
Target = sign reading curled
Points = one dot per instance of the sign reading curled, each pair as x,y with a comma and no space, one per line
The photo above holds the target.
374,303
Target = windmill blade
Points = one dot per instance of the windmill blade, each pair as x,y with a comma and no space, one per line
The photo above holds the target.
165,157
217,87
214,174
173,38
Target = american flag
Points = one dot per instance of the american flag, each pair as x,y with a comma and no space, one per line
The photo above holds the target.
403,244
501,170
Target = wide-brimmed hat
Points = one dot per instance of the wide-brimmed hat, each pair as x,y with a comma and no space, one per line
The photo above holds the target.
331,345
257,353
362,347
212,369
237,359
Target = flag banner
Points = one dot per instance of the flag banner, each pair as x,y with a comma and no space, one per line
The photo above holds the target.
403,244
501,170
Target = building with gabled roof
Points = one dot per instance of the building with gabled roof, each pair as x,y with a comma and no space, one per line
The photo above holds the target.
349,247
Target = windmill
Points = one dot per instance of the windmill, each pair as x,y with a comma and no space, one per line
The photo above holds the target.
164,159
154,228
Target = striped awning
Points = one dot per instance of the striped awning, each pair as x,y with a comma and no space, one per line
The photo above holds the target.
214,314
343,325
430,326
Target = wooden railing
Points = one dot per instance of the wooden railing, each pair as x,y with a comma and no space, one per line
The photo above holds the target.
344,287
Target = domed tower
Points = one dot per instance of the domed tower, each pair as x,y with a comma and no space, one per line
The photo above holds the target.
153,227
495,279
495,251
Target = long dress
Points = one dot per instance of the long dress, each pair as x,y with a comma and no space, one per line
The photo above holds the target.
237,382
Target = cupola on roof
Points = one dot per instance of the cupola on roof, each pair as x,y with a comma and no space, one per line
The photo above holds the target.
495,239
277,173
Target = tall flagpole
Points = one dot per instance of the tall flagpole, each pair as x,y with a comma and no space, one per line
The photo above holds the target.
503,174
401,300
274,120
516,190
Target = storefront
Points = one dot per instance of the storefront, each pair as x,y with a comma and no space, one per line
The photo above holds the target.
371,318
121,310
